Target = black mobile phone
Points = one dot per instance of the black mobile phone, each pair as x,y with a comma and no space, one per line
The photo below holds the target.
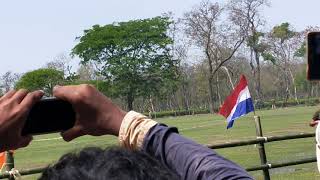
49,115
313,53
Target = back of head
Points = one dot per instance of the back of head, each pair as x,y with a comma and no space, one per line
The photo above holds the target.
112,163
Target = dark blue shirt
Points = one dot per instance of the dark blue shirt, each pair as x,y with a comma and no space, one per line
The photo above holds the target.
191,161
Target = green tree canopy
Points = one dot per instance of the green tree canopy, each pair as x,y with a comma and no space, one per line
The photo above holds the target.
283,32
41,79
301,52
135,55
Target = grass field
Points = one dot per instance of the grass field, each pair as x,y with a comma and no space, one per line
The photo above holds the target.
208,129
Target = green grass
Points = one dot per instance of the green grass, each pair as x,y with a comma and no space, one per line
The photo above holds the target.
208,129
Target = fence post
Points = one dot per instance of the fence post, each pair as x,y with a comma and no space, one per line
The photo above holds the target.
262,152
9,163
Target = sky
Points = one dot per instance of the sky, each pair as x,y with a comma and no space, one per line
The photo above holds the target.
34,32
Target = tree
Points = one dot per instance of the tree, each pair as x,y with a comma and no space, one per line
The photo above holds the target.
302,51
8,80
61,63
283,44
218,39
248,11
41,79
86,72
134,56
301,79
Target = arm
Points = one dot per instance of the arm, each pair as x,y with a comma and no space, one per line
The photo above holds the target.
97,115
189,159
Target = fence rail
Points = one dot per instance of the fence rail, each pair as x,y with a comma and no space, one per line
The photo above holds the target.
285,164
261,140
268,140
24,172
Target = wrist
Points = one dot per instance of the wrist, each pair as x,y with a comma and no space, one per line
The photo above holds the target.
117,118
133,129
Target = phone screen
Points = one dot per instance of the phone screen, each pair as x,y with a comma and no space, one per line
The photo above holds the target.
49,115
313,51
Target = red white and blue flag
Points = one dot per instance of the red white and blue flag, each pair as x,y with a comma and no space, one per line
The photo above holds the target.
238,103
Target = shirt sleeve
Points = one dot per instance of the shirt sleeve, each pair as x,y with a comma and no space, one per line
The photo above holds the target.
191,161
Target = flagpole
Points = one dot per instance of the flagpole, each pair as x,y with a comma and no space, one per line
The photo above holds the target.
262,151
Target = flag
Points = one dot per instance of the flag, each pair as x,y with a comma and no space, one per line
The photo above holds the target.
238,103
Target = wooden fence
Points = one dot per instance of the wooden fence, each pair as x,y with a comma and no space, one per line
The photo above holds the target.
260,141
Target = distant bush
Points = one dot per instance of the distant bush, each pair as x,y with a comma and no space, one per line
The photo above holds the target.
289,103
178,113
258,105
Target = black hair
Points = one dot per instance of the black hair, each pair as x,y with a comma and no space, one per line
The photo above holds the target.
112,163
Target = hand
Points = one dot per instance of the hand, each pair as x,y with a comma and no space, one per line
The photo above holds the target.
95,114
314,123
14,109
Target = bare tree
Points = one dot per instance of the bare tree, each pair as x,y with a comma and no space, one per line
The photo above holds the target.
87,72
8,81
249,11
218,40
61,63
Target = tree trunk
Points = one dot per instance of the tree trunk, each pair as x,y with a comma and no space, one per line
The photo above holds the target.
130,100
151,104
312,90
287,92
211,77
258,76
211,94
229,76
253,72
294,86
152,107
218,89
185,97
170,102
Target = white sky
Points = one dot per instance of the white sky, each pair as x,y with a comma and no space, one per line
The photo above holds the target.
33,32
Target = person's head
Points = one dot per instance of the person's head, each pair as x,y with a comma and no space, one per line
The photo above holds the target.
113,163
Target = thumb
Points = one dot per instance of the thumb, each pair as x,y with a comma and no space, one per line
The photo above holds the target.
72,133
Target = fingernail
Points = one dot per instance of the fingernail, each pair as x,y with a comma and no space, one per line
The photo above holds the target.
40,92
